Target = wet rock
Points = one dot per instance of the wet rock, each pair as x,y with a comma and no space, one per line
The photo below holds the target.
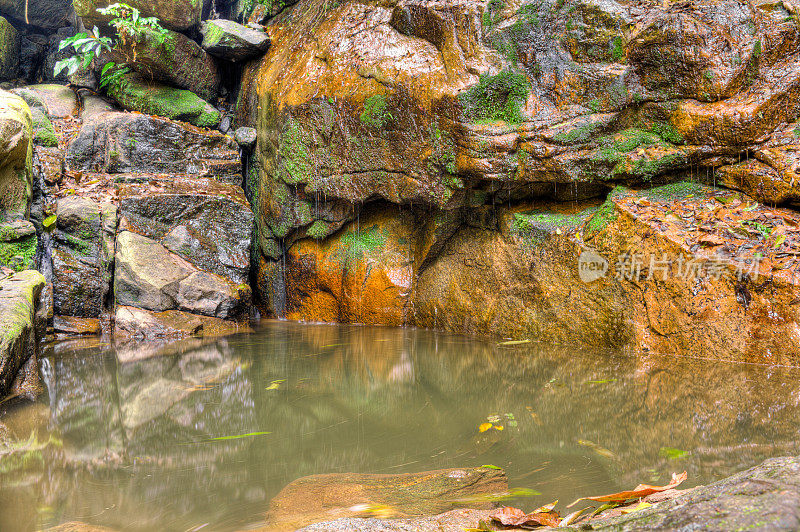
207,223
19,300
178,15
232,41
9,50
765,497
134,93
18,243
43,131
83,256
452,521
362,274
176,60
246,137
16,154
58,101
142,324
74,326
122,142
319,497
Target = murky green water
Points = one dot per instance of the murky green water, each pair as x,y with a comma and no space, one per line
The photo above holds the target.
137,435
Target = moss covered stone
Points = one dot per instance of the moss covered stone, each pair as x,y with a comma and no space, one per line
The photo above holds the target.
19,254
178,15
16,156
9,50
136,94
496,97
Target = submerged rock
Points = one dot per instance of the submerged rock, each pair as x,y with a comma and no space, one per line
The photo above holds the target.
232,41
320,497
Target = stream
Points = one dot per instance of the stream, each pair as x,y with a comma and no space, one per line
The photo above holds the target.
201,434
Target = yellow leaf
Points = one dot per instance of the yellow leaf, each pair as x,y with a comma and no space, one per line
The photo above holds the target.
498,427
484,427
641,506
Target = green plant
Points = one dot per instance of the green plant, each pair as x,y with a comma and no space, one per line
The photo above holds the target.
375,112
131,27
496,97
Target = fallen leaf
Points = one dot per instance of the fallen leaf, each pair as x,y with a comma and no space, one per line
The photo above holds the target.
642,490
641,506
672,453
483,427
510,516
513,342
711,240
571,518
275,384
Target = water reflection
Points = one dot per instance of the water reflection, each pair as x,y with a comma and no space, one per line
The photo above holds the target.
151,435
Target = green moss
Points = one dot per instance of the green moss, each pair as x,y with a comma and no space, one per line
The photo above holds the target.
496,98
594,105
617,51
356,244
19,254
318,230
376,114
601,218
443,154
675,191
44,133
135,94
294,154
577,135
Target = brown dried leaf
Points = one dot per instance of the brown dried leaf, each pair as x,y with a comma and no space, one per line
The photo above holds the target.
642,490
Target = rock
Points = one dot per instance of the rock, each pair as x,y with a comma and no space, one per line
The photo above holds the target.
179,15
232,41
361,275
202,221
74,326
452,521
765,497
116,142
246,137
44,133
45,14
319,497
143,324
59,101
19,301
18,245
149,97
84,77
149,276
16,154
83,256
9,51
176,60
225,124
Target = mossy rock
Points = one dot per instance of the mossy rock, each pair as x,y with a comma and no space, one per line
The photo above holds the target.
178,15
136,94
16,156
9,50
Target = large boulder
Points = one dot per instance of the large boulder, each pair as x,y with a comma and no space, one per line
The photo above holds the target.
175,59
319,497
83,256
116,142
16,155
232,41
45,14
135,93
184,245
179,15
19,303
9,50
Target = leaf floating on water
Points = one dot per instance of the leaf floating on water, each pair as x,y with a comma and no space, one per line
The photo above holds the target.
275,384
571,518
490,466
642,490
239,436
604,507
483,427
672,453
601,381
599,449
511,343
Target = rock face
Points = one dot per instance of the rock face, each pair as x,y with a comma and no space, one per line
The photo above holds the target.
134,143
317,497
178,15
16,154
19,325
9,50
470,114
232,41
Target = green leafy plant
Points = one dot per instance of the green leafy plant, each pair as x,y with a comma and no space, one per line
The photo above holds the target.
131,28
